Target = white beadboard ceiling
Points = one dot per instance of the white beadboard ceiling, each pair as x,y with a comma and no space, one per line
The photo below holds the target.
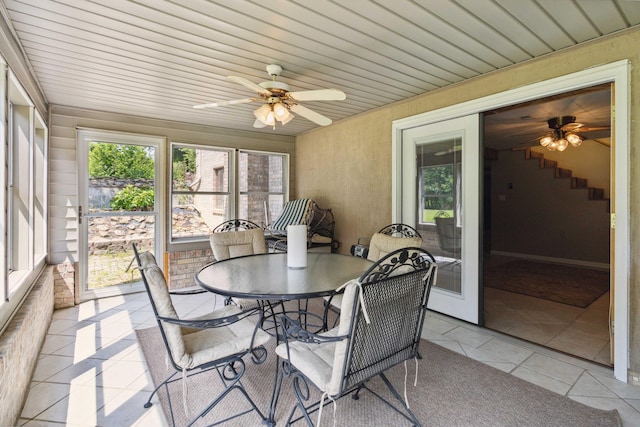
158,58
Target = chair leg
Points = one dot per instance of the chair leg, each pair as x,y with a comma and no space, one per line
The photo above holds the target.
164,383
408,414
230,375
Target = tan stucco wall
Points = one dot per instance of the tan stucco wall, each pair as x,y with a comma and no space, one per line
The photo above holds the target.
347,166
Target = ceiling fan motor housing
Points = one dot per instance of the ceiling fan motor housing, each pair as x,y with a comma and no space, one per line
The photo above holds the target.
559,122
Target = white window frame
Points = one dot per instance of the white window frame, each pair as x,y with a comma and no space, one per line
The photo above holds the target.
233,190
31,231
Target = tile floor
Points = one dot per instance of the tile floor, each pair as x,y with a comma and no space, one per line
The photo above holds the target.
91,371
582,332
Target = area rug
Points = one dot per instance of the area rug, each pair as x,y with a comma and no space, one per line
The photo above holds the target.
452,390
575,286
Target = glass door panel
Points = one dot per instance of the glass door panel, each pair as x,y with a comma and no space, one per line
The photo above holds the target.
119,206
440,197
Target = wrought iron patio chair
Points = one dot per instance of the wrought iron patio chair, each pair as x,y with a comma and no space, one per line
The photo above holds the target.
232,244
218,341
388,239
381,321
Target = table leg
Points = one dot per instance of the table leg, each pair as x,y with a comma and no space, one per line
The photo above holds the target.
277,385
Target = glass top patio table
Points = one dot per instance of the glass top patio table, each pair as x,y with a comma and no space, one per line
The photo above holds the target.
267,277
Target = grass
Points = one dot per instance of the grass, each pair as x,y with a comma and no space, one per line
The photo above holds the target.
428,215
112,269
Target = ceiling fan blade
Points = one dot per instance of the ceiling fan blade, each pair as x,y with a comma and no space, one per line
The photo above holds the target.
318,95
223,103
593,128
310,115
251,85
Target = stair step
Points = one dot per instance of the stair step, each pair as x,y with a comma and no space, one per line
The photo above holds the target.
596,193
578,182
548,164
534,155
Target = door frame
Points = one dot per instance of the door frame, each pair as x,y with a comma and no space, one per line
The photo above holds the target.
615,72
83,137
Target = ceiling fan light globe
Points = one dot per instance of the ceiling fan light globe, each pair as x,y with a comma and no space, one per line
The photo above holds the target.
573,139
287,118
271,119
546,141
280,110
562,145
262,113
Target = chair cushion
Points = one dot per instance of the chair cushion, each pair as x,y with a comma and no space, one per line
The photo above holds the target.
295,212
382,244
323,363
159,294
191,347
204,345
233,244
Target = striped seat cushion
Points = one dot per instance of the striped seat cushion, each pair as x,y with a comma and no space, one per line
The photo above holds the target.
295,212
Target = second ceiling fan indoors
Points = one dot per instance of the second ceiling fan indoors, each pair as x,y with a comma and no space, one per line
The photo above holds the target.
278,102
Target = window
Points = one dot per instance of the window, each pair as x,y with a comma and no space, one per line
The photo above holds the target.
24,191
219,178
204,192
200,190
262,185
439,187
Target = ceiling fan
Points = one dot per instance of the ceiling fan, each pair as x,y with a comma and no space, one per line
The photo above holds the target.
566,131
278,102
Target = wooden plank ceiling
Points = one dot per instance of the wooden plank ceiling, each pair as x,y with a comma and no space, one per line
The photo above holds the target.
158,58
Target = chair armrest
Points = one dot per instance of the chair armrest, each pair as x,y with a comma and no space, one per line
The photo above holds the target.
292,330
211,322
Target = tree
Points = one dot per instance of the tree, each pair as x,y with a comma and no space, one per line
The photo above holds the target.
108,160
184,160
438,187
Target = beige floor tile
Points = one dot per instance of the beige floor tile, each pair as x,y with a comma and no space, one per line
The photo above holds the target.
500,351
50,365
42,396
542,380
553,368
588,386
468,337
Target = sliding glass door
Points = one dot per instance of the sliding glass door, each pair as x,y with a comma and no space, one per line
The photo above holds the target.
440,197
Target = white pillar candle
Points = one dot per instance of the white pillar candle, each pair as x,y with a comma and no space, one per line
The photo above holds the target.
297,246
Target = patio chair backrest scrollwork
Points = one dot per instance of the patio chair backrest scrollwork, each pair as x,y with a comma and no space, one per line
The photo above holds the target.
235,225
399,230
391,238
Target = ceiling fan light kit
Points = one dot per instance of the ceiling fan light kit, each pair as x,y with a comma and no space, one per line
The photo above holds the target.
279,101
562,134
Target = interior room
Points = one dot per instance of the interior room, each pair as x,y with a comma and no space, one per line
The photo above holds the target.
504,135
573,233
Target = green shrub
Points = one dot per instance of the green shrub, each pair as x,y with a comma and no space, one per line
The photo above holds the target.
133,198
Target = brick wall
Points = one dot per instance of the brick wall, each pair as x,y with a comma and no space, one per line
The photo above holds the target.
185,264
20,345
64,285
